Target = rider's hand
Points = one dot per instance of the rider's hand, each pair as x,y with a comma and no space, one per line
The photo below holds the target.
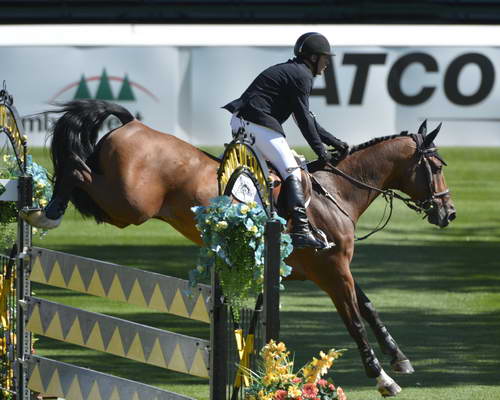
341,146
336,143
325,157
344,152
337,154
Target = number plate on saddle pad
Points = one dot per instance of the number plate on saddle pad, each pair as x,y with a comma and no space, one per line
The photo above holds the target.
244,190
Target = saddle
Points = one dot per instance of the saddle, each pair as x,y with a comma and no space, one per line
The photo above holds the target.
279,194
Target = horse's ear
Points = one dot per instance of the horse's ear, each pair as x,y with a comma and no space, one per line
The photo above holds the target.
431,136
422,130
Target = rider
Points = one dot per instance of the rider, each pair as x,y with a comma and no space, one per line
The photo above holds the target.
276,93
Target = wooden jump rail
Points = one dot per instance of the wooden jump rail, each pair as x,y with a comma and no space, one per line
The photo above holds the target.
112,335
116,282
80,383
108,334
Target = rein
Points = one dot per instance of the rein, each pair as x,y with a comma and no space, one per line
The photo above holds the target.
388,194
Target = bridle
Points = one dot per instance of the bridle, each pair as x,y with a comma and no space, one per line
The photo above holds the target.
425,206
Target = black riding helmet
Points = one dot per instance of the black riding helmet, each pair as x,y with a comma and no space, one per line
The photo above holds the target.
312,43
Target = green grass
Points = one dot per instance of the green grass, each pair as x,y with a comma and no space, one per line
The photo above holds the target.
437,291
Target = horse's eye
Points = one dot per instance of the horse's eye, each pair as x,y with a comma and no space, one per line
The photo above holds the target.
435,167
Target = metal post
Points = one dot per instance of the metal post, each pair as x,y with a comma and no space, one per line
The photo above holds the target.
271,320
23,291
218,342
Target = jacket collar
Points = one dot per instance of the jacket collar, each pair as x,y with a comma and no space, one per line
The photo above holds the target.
302,64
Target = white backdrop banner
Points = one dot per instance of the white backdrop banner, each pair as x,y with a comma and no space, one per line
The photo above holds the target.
367,91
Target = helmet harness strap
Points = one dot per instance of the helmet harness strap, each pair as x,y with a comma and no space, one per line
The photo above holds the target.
316,65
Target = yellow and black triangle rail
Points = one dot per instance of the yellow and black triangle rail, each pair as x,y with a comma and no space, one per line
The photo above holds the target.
54,378
116,336
116,282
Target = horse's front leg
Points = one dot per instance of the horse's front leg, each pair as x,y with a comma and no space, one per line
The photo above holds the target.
335,278
399,362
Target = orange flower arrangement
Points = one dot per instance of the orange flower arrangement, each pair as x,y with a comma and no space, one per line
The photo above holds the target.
277,381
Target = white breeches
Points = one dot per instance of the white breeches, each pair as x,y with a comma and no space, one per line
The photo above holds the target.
272,145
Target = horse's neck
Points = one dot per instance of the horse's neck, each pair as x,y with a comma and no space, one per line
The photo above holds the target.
379,166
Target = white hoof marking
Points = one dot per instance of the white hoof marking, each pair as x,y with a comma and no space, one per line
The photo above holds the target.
386,385
38,219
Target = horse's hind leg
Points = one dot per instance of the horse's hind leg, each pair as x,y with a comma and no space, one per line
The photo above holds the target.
75,172
399,362
50,217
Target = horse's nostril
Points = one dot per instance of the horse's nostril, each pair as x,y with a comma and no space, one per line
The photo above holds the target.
452,216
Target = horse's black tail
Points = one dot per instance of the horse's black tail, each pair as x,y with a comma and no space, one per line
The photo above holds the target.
75,133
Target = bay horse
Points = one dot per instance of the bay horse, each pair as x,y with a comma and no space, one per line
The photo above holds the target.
135,173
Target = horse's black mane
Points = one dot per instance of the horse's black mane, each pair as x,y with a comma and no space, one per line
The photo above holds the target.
373,141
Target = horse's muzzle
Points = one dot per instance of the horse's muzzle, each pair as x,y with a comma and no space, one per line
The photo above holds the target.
442,214
452,215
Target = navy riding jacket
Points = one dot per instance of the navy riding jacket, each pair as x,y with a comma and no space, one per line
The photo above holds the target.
278,92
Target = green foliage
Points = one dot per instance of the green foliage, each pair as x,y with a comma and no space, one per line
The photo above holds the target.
42,192
7,235
8,212
42,188
8,209
234,236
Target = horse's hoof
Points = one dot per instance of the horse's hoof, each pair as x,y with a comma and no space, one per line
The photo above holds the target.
389,389
36,217
402,367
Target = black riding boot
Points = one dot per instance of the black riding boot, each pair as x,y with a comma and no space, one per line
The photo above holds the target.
301,234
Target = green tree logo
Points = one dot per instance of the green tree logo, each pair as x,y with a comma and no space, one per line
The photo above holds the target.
126,93
104,89
83,91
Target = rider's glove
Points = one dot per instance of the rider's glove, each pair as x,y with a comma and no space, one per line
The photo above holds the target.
325,157
339,145
340,150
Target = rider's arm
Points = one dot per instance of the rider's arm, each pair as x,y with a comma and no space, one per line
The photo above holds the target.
327,138
307,125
